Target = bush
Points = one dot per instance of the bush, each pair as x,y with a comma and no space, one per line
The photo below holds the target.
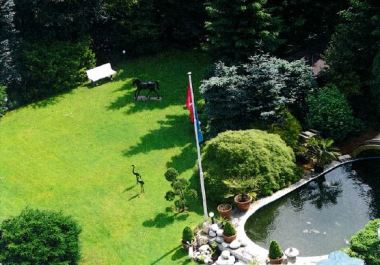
275,250
171,174
37,237
55,67
365,243
289,128
252,157
238,96
187,235
229,229
330,113
3,100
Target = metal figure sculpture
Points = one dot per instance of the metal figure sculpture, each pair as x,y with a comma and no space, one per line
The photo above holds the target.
152,86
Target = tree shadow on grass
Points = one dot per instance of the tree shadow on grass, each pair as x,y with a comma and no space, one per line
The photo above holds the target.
164,137
178,254
162,220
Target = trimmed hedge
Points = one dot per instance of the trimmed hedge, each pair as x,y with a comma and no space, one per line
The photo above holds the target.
251,158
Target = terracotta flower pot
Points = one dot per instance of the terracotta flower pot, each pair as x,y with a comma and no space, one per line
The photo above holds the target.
229,239
225,210
276,261
243,205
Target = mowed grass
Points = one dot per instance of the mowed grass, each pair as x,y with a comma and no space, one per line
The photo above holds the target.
73,153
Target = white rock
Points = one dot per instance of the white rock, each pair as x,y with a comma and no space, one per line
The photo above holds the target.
204,248
225,245
212,233
225,254
214,227
219,232
219,239
235,244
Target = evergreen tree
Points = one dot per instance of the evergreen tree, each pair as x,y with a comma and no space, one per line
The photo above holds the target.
9,74
354,45
238,29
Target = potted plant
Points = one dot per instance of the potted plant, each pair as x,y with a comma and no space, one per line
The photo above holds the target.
275,253
229,232
245,190
187,238
225,210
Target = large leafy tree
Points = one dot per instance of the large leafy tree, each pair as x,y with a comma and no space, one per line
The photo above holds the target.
237,29
238,96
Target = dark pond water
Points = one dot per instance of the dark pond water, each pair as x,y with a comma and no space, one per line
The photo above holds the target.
322,216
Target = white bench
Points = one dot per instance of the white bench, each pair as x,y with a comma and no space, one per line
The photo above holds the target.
100,72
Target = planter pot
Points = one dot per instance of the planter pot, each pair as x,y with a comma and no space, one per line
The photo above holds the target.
276,261
229,239
225,210
242,205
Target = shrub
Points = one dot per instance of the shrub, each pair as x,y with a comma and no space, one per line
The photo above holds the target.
250,157
238,96
330,113
289,128
229,229
365,244
54,67
3,100
180,189
275,250
187,234
39,237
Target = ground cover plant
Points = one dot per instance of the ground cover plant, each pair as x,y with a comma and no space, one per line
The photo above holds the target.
74,153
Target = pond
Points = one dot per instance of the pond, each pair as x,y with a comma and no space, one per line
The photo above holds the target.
323,215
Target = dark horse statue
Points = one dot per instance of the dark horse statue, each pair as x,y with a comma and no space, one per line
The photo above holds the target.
152,86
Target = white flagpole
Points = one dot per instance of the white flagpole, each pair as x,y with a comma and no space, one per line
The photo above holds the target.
198,150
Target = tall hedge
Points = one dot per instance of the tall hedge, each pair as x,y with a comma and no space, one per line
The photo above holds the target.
365,244
330,113
37,237
251,157
54,67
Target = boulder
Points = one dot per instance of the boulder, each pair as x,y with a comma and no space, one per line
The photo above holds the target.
235,244
214,227
212,233
219,239
219,232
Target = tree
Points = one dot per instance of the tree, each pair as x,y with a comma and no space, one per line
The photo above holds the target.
330,113
37,237
9,44
353,46
3,100
180,188
238,96
322,150
253,158
238,29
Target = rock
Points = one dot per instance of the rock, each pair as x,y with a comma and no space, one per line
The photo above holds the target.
212,233
204,248
225,245
214,227
206,227
202,240
225,254
235,244
219,239
219,232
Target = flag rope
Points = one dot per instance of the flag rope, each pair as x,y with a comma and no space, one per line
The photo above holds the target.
201,178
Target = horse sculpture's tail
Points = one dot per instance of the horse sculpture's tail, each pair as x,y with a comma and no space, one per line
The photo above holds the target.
157,85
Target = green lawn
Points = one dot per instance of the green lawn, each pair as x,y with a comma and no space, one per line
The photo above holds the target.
74,153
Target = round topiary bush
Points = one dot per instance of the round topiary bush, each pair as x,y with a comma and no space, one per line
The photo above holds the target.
330,113
39,237
365,244
236,159
275,251
171,174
